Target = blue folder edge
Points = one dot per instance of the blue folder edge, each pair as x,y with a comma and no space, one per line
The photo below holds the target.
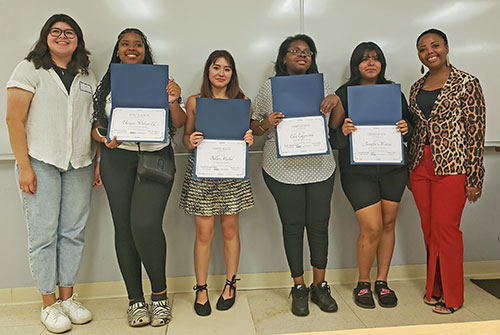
139,75
327,152
216,122
375,90
302,89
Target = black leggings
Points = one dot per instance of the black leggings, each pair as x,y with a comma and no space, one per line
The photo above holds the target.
137,206
303,206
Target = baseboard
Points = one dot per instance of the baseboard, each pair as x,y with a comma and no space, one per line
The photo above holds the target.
248,281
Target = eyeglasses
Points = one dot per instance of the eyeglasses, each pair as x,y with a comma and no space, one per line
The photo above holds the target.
298,52
68,33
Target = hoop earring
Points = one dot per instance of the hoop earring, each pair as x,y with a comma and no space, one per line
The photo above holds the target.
447,61
422,70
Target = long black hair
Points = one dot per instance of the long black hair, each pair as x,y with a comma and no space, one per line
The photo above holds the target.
280,67
357,57
40,54
104,87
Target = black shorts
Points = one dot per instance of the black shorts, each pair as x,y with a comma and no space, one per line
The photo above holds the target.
363,190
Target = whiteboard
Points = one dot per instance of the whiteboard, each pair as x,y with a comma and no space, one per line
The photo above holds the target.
183,33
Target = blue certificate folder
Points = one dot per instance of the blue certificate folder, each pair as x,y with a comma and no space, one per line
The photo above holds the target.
375,105
222,119
139,86
298,96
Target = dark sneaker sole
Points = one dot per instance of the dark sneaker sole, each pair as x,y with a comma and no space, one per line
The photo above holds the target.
333,310
301,313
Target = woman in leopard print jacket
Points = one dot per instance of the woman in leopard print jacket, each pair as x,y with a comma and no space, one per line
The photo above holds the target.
446,163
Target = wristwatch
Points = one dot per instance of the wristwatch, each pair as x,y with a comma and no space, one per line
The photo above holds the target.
179,101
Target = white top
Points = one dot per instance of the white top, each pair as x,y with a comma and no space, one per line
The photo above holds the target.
290,170
132,146
58,124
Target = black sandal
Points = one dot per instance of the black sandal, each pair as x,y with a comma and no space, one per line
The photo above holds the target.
363,296
444,309
434,300
223,304
205,309
386,297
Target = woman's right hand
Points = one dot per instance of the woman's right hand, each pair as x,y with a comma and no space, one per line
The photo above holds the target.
272,120
348,127
195,139
111,145
27,180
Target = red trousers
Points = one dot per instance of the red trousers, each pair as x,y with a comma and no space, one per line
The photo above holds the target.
440,201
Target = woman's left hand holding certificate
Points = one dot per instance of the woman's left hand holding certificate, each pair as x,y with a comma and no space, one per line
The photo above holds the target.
173,90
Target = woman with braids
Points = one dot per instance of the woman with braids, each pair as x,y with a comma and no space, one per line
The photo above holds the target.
52,90
137,205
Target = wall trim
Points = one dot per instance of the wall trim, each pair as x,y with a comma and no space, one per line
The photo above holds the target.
249,281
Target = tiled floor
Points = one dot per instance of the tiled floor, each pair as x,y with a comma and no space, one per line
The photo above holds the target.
263,312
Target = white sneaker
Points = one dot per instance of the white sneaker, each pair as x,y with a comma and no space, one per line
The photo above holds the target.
54,319
75,310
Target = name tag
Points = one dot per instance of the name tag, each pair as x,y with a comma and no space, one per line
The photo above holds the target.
85,87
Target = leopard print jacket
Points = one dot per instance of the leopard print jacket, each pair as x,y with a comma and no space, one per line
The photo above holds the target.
456,128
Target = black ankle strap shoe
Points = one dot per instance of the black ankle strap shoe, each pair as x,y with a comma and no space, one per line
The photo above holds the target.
205,309
225,304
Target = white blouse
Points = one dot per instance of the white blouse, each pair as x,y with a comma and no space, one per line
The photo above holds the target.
58,124
290,170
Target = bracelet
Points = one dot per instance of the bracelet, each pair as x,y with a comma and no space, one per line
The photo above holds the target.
98,159
260,126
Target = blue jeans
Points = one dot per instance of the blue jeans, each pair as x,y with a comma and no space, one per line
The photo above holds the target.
55,217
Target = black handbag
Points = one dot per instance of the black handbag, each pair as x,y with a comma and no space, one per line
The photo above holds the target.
157,165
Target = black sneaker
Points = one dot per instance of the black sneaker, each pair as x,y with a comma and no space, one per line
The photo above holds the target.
300,300
320,295
386,297
363,296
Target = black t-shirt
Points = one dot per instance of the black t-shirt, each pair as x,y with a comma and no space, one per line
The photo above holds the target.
66,76
426,100
338,140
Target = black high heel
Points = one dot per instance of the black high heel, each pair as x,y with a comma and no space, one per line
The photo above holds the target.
223,304
205,309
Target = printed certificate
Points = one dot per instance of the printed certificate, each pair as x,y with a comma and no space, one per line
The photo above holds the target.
300,136
221,159
377,145
138,125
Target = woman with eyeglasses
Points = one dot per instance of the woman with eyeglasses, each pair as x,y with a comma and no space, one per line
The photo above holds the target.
52,89
374,191
137,204
301,186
